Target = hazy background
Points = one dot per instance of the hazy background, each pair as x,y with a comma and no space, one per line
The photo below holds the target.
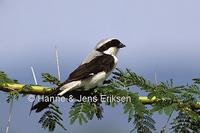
161,37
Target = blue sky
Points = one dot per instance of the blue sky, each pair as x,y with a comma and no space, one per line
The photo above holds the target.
161,37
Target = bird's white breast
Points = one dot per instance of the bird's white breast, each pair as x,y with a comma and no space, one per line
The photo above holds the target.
115,59
96,80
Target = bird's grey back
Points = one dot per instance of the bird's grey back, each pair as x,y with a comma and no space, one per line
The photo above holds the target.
91,56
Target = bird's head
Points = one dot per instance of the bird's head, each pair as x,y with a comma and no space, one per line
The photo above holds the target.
109,46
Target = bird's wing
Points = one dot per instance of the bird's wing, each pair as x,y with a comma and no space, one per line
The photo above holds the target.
86,70
100,63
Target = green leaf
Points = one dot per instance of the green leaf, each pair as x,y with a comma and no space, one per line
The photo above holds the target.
51,79
51,118
83,112
196,80
12,95
5,79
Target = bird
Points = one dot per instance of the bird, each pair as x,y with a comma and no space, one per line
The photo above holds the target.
92,71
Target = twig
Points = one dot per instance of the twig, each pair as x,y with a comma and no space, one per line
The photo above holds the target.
36,83
155,77
57,63
34,77
10,116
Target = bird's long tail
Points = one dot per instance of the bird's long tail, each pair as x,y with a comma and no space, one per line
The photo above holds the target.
60,91
44,104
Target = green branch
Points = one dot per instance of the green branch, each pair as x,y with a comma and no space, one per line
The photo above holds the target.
43,90
26,89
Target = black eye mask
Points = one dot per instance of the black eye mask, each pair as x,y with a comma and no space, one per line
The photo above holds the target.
112,43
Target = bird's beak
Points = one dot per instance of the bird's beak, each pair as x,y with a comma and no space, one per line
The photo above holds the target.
122,45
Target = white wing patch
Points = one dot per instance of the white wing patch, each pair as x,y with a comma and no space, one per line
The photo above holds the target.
91,74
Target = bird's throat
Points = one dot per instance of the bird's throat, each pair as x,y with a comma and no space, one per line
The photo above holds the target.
111,51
